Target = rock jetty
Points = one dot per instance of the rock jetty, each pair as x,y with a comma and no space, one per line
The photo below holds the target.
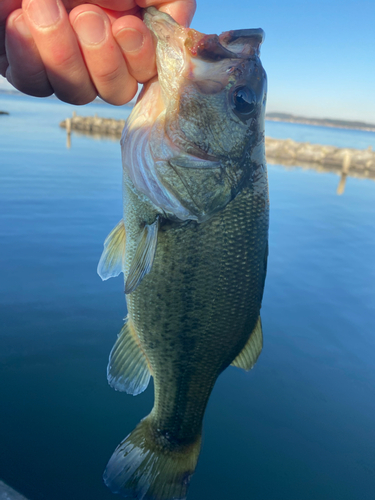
359,162
94,125
346,161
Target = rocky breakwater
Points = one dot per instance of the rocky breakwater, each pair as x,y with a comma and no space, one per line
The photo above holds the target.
357,162
344,161
94,125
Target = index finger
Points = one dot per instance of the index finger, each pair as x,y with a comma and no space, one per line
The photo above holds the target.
120,5
182,11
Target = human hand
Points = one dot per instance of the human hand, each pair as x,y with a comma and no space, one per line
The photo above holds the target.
78,50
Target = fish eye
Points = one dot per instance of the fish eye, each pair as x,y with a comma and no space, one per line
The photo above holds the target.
243,102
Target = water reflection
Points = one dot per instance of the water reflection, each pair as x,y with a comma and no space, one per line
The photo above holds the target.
341,185
96,135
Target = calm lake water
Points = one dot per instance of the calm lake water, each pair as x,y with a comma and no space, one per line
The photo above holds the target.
300,426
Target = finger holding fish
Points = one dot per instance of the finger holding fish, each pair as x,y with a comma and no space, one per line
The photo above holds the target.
59,51
136,41
43,55
137,47
7,7
182,11
25,68
102,55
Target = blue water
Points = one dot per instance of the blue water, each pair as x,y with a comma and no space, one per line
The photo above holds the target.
299,426
340,137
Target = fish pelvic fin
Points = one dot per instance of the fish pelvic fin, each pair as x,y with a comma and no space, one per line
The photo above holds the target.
143,258
111,263
253,347
147,466
128,368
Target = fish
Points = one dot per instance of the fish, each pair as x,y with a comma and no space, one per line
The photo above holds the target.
192,245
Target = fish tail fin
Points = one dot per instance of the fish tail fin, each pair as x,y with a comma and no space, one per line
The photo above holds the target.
148,466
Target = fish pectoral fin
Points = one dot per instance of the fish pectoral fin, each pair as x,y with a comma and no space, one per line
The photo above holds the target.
144,257
253,347
128,369
111,262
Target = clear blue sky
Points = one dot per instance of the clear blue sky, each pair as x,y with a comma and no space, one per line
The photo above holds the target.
319,55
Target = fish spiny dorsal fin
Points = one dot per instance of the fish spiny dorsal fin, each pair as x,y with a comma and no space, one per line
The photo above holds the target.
253,347
128,368
144,257
111,262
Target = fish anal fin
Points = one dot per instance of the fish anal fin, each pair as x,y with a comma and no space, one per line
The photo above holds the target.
111,262
128,368
143,258
253,347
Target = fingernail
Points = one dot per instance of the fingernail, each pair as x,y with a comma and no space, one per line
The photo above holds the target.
21,26
90,28
43,13
130,40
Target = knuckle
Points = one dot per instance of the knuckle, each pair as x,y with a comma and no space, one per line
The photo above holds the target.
77,96
144,76
63,59
108,75
142,69
86,98
120,94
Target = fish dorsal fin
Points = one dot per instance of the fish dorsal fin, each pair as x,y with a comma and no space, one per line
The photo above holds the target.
128,369
111,262
144,257
253,347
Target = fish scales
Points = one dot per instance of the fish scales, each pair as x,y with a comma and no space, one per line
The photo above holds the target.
193,246
202,317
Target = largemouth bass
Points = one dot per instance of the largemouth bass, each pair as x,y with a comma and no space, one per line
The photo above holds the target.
192,245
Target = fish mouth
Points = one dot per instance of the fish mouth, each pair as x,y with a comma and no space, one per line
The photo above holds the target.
235,44
162,25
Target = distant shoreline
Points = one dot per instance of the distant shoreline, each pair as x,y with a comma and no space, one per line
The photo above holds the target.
97,100
320,122
273,117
